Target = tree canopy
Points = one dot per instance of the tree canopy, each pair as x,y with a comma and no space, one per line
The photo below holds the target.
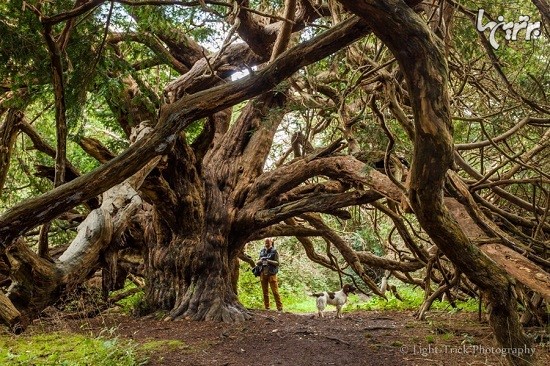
176,132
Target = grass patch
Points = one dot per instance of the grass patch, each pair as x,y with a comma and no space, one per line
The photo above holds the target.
60,348
165,345
412,298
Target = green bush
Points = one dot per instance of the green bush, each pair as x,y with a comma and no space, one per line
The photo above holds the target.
412,299
134,304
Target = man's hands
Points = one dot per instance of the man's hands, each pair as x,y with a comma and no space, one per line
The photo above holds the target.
264,262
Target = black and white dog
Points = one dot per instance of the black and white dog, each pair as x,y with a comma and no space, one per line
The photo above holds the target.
338,299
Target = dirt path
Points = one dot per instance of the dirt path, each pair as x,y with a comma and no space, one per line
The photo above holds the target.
273,338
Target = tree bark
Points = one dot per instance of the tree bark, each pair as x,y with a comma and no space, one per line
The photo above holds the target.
9,314
8,133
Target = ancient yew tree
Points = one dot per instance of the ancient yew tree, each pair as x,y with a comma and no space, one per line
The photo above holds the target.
173,133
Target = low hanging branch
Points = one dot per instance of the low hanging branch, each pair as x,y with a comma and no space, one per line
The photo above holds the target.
283,37
347,252
37,282
60,124
96,149
436,294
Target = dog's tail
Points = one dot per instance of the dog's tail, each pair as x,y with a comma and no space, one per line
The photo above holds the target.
318,294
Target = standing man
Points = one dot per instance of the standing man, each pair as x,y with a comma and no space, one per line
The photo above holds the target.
269,260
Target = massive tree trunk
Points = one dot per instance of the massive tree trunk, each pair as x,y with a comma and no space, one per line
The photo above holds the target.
190,264
187,263
420,55
216,205
177,195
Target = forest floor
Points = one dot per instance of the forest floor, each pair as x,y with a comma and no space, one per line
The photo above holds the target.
280,338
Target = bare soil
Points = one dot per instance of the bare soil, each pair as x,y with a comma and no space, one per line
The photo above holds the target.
282,338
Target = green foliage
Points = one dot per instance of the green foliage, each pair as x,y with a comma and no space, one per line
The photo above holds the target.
249,288
165,20
67,349
133,304
412,300
21,45
366,239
